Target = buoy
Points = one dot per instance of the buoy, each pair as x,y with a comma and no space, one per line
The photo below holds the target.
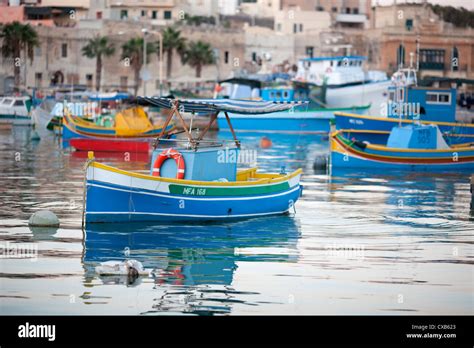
44,218
320,162
265,143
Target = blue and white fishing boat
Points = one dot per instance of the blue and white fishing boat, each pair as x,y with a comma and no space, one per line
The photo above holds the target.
345,82
413,147
16,111
194,179
313,118
408,104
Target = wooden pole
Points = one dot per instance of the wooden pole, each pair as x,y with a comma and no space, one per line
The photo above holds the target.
237,143
191,140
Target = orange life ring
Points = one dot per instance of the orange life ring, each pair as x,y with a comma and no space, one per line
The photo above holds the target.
167,154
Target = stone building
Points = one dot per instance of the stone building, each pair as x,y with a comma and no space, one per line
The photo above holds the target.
440,48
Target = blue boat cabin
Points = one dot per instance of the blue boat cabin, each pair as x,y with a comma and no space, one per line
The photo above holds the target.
425,103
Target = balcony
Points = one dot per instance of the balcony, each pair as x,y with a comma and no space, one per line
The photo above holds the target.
351,18
431,66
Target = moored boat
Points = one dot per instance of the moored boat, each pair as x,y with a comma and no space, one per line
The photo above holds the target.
315,117
201,184
408,104
16,111
130,123
413,147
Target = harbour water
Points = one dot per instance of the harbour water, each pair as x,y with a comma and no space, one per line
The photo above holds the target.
359,243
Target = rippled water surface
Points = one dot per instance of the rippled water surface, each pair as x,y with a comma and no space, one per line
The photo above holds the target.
359,243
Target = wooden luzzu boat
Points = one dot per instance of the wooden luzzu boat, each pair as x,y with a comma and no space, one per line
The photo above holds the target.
413,147
129,124
194,180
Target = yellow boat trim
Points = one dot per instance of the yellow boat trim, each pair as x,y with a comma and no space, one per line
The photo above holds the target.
367,117
243,177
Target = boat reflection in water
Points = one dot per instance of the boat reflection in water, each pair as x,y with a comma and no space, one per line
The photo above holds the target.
192,265
404,198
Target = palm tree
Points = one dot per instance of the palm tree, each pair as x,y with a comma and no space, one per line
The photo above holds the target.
18,38
197,55
133,51
97,48
172,40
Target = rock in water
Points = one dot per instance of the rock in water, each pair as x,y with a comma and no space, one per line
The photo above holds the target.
44,218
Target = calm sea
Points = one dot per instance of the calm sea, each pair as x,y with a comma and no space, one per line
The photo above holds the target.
359,243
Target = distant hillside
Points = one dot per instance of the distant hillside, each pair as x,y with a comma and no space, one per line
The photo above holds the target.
459,17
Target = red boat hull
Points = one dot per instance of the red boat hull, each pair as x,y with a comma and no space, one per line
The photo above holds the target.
106,145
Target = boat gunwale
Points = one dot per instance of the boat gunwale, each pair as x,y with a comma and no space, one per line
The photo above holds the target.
263,181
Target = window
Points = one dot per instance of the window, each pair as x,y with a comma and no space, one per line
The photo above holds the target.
38,51
278,26
348,10
19,103
143,13
401,94
409,24
400,55
254,56
64,50
38,78
226,57
355,10
124,83
89,81
391,95
154,14
319,8
286,94
98,15
432,59
295,28
310,51
438,98
431,98
301,27
167,15
123,14
334,9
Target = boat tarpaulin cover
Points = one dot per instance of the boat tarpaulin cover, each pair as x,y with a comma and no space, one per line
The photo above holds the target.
132,121
216,105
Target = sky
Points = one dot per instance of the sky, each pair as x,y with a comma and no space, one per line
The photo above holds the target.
469,4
